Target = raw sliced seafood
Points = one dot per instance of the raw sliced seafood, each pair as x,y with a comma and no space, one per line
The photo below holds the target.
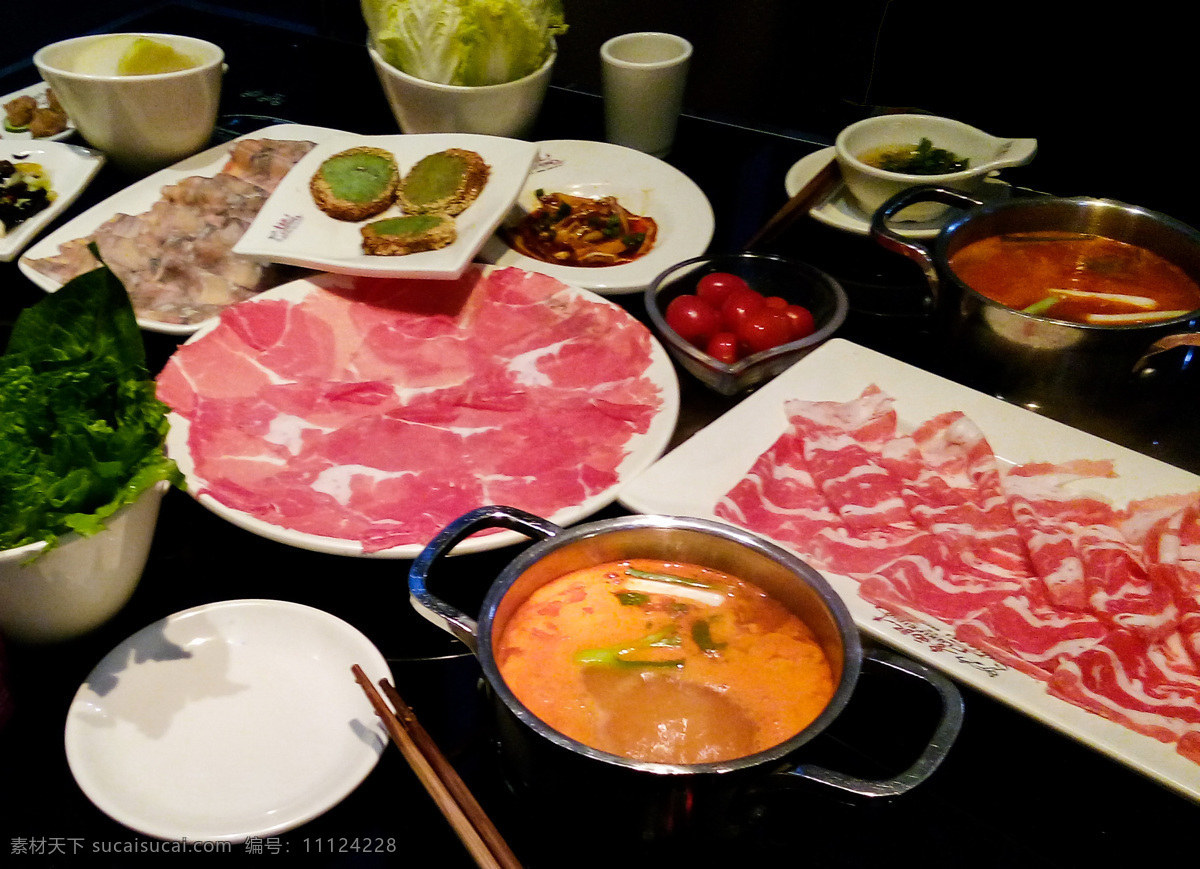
176,260
379,410
1099,603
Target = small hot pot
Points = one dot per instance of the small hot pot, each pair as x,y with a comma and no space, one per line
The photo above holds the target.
1029,358
666,799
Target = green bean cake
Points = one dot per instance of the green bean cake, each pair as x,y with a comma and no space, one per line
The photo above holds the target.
410,233
443,183
356,184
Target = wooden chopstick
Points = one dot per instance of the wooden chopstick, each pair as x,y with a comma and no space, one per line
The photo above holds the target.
817,188
440,779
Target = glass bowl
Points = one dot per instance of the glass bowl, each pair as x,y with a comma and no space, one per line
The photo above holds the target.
771,275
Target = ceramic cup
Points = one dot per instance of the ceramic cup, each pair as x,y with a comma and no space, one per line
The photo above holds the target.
141,122
419,106
643,77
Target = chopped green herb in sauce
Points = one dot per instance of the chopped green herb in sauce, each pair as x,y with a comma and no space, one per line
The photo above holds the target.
919,159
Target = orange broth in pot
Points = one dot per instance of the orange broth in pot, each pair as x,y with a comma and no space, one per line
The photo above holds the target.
1077,277
664,662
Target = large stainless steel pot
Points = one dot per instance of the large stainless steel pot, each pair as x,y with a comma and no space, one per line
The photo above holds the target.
665,798
1032,359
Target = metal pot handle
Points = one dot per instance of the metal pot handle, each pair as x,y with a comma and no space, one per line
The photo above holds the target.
451,619
932,756
1183,339
893,241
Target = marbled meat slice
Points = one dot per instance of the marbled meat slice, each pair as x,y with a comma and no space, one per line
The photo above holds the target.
778,498
1024,631
1078,549
1172,553
378,411
1152,687
1102,605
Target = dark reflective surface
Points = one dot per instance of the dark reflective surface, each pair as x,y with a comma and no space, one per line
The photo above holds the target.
1012,792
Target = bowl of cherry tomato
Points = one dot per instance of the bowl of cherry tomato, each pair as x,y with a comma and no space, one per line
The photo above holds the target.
735,320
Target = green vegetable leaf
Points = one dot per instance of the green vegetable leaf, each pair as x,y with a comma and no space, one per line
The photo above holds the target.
465,42
702,636
81,431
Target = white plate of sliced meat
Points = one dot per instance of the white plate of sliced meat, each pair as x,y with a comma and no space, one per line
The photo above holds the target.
169,237
359,416
1053,570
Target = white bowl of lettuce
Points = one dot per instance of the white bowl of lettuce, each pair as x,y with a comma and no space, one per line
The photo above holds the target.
82,467
464,66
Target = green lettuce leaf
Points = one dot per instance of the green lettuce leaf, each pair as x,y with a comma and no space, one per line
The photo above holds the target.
81,431
465,42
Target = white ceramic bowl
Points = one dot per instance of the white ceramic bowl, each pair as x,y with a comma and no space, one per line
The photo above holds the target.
141,122
419,106
872,187
81,583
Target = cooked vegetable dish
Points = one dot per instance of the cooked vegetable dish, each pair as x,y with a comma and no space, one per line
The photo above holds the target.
578,231
24,191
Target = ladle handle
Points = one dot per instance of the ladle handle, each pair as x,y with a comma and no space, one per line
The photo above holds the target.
1014,152
449,618
934,753
888,238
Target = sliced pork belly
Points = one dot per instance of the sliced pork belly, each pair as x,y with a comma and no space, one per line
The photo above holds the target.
1152,687
779,498
1025,631
1172,552
1083,558
1102,605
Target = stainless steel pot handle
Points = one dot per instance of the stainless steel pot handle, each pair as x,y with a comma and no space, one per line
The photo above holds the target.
451,619
1183,339
932,756
893,241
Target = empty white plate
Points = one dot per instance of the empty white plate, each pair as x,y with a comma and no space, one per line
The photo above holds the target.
227,721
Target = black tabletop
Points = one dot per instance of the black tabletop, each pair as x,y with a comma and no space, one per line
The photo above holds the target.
1011,792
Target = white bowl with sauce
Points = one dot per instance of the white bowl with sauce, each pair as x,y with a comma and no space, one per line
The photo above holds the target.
860,145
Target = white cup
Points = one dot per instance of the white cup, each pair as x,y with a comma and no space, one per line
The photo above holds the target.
644,75
141,122
419,106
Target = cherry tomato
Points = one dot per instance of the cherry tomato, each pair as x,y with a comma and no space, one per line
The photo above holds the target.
801,320
715,287
693,319
723,347
777,302
764,329
740,305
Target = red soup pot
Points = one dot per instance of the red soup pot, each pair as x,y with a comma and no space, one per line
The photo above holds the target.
1035,359
666,799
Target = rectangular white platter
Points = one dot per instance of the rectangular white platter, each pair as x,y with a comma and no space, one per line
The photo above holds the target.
690,480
